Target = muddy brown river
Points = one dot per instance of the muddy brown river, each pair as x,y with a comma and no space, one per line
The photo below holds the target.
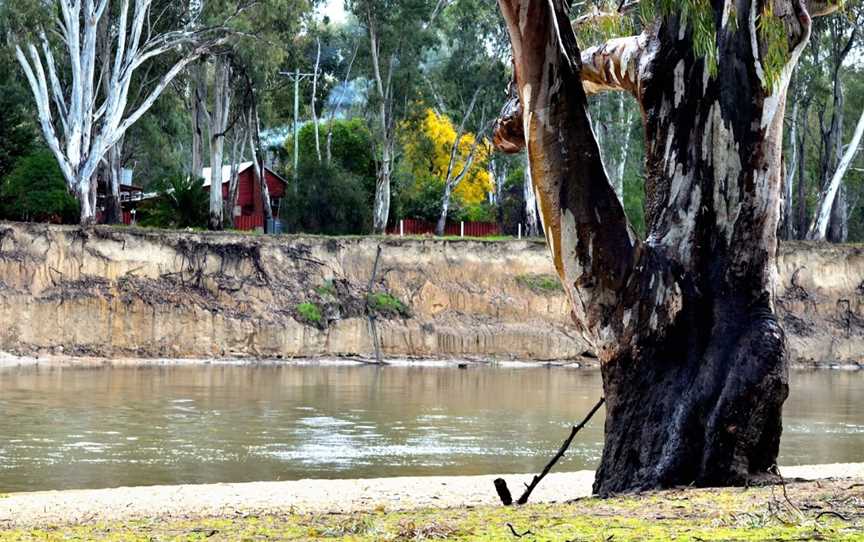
63,428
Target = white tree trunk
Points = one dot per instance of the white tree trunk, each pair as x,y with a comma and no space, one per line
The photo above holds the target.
218,124
381,211
452,179
532,225
789,180
314,98
819,227
78,127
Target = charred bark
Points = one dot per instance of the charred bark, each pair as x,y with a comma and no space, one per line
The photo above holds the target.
694,359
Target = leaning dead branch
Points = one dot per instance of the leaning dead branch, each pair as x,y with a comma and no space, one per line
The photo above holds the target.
501,485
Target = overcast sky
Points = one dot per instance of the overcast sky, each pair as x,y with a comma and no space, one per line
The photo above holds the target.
335,9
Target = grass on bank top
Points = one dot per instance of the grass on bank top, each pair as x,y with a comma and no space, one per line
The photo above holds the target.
230,231
816,511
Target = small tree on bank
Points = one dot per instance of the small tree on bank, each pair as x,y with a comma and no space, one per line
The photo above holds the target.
694,359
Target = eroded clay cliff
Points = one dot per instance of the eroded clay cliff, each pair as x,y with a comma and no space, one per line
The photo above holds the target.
141,293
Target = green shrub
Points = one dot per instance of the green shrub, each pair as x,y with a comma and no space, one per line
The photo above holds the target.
542,284
35,190
388,305
328,289
328,200
309,313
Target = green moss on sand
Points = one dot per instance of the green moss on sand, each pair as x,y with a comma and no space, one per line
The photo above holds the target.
731,514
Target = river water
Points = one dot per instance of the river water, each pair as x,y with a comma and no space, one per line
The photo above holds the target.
63,428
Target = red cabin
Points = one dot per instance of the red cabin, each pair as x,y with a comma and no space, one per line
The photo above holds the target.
249,212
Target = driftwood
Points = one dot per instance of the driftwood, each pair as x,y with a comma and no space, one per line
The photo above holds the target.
501,484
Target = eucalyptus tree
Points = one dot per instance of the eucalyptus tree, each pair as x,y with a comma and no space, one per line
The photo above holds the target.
694,359
835,40
230,81
56,46
465,75
827,204
397,32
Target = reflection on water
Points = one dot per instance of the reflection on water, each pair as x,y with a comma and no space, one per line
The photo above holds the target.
78,428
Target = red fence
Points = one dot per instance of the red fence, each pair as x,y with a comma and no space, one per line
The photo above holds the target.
248,223
410,226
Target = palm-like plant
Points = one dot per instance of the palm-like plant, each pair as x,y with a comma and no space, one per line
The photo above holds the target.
181,203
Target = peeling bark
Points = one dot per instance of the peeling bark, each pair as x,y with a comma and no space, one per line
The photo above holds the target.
694,359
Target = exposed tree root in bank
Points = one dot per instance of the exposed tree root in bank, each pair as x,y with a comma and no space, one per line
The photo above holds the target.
828,510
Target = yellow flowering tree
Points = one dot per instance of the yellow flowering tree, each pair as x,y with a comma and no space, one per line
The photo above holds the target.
429,144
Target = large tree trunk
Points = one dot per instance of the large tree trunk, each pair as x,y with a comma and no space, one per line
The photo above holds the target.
693,357
381,210
838,229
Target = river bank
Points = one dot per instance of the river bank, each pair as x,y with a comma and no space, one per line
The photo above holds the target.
49,360
133,293
461,508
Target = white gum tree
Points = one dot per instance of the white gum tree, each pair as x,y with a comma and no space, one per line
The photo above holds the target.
81,122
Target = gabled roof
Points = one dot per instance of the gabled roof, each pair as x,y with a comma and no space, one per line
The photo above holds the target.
226,173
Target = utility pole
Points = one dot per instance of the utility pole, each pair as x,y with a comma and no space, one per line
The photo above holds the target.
297,77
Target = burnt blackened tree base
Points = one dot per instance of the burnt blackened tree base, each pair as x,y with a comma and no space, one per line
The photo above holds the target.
698,408
694,360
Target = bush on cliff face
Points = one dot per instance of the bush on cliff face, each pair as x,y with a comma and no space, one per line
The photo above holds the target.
34,191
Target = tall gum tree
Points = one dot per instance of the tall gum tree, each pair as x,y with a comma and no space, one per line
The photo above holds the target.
693,357
81,123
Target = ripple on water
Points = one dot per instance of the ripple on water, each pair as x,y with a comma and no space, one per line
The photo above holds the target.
324,421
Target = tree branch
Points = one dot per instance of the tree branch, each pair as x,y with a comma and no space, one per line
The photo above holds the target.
614,65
